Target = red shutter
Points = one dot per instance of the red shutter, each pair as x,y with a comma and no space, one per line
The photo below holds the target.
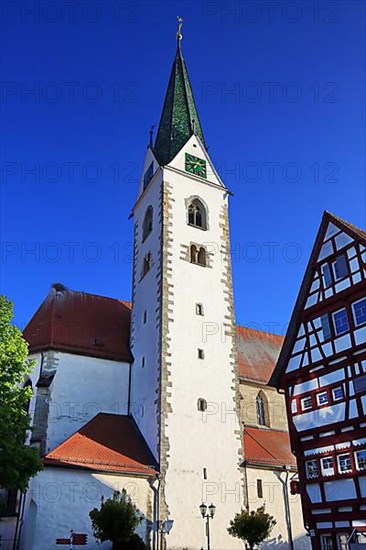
294,487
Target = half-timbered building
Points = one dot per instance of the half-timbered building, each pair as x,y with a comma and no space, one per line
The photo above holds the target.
322,368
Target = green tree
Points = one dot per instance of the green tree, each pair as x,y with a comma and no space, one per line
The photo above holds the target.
18,462
253,527
116,520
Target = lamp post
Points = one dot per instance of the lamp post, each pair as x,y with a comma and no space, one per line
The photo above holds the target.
207,516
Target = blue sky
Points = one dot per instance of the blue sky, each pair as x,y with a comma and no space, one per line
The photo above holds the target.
280,88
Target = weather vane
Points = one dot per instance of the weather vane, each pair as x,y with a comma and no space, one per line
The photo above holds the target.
179,31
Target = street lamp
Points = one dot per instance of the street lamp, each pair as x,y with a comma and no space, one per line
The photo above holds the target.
207,517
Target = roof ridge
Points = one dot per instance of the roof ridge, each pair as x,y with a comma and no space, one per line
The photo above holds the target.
360,232
70,290
258,330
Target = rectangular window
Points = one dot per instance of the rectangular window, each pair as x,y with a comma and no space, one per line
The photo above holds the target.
201,353
143,362
343,541
359,312
259,488
337,393
326,542
340,267
144,320
340,321
311,469
324,320
359,384
344,463
199,309
327,278
327,466
306,403
361,460
322,398
148,175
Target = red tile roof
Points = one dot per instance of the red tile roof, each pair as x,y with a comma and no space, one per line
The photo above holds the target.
257,353
109,442
264,447
98,326
82,323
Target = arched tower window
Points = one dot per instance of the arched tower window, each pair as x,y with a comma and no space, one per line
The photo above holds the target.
201,258
146,266
198,255
262,409
197,214
147,224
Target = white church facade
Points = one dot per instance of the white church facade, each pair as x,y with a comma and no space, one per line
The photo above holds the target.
165,395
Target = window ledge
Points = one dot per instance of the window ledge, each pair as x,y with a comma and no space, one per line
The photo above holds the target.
197,226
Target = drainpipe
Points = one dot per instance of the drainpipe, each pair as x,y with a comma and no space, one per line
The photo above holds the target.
156,522
287,507
246,493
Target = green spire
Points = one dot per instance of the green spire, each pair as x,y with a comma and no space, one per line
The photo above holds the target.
179,119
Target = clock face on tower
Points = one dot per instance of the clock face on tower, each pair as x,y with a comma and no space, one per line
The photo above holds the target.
196,166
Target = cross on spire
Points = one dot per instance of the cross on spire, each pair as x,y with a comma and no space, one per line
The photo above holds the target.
179,119
179,30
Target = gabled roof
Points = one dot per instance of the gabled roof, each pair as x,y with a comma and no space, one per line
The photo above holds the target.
109,442
78,322
179,118
264,447
97,326
257,353
293,328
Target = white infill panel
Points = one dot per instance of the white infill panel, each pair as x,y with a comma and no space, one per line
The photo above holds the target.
331,378
362,482
331,230
341,489
342,343
342,240
313,491
306,387
319,417
326,250
324,525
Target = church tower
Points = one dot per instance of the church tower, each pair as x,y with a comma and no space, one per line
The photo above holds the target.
184,385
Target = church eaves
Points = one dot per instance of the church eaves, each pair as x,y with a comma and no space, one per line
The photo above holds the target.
179,119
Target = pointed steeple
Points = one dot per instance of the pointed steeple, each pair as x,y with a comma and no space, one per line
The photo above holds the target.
179,119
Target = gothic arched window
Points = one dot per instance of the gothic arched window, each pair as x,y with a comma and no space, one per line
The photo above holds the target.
146,266
201,258
193,254
147,224
262,409
198,255
197,214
